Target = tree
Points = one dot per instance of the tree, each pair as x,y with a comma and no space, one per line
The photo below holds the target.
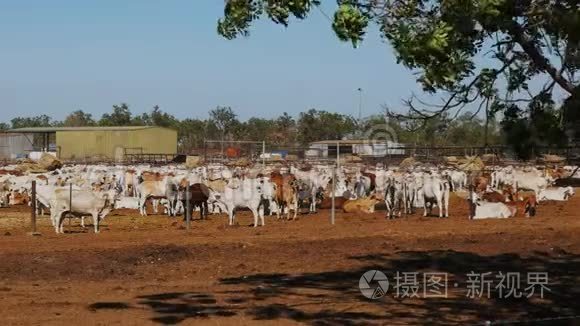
258,129
78,119
163,119
143,119
4,126
284,132
316,125
525,131
37,121
225,120
440,40
191,134
121,116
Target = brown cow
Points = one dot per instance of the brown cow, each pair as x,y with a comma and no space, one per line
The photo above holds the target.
286,193
19,198
526,207
198,196
152,176
42,178
361,205
480,183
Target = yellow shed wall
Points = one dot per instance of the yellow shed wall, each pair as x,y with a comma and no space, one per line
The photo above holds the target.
110,144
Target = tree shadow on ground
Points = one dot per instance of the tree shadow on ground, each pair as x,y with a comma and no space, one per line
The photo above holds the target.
173,308
333,297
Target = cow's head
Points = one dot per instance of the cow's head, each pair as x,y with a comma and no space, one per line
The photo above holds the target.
4,198
530,208
473,200
568,192
265,188
111,197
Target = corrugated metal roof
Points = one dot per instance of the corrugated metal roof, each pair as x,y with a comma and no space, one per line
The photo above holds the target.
55,129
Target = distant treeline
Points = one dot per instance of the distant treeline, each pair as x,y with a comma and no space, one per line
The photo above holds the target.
312,125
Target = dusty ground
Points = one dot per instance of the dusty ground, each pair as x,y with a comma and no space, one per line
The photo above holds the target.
150,270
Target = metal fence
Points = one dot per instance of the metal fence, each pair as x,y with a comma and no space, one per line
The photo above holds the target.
257,152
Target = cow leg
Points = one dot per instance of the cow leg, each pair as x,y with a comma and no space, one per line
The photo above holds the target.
295,204
60,223
55,220
425,207
280,208
143,206
262,218
256,212
83,222
447,205
184,210
205,209
231,215
155,206
440,204
96,221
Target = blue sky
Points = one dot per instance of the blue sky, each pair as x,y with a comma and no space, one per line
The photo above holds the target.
62,55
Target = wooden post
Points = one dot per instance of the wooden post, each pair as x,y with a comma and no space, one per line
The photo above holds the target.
187,207
332,195
33,210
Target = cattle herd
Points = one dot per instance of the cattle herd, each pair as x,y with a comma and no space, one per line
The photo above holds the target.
284,191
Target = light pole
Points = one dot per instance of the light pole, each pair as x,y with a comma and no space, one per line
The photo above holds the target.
359,112
359,103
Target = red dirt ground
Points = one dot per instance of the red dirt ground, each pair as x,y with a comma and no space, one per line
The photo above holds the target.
150,270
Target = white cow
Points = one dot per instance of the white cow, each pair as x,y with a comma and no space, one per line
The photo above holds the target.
484,210
151,189
44,194
530,181
459,179
250,193
557,194
436,191
395,197
127,202
84,202
314,181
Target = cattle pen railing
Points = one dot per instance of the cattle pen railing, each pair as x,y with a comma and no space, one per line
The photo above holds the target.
495,155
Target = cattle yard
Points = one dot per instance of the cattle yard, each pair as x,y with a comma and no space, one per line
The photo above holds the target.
152,270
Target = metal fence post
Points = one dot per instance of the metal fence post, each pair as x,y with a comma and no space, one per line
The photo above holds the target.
263,154
33,209
337,154
187,207
69,203
332,195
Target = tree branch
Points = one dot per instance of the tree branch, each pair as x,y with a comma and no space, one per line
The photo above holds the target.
527,44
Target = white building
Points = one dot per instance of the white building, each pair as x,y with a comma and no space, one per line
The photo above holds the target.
360,147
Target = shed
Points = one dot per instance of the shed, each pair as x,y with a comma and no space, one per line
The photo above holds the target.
111,143
361,147
15,145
